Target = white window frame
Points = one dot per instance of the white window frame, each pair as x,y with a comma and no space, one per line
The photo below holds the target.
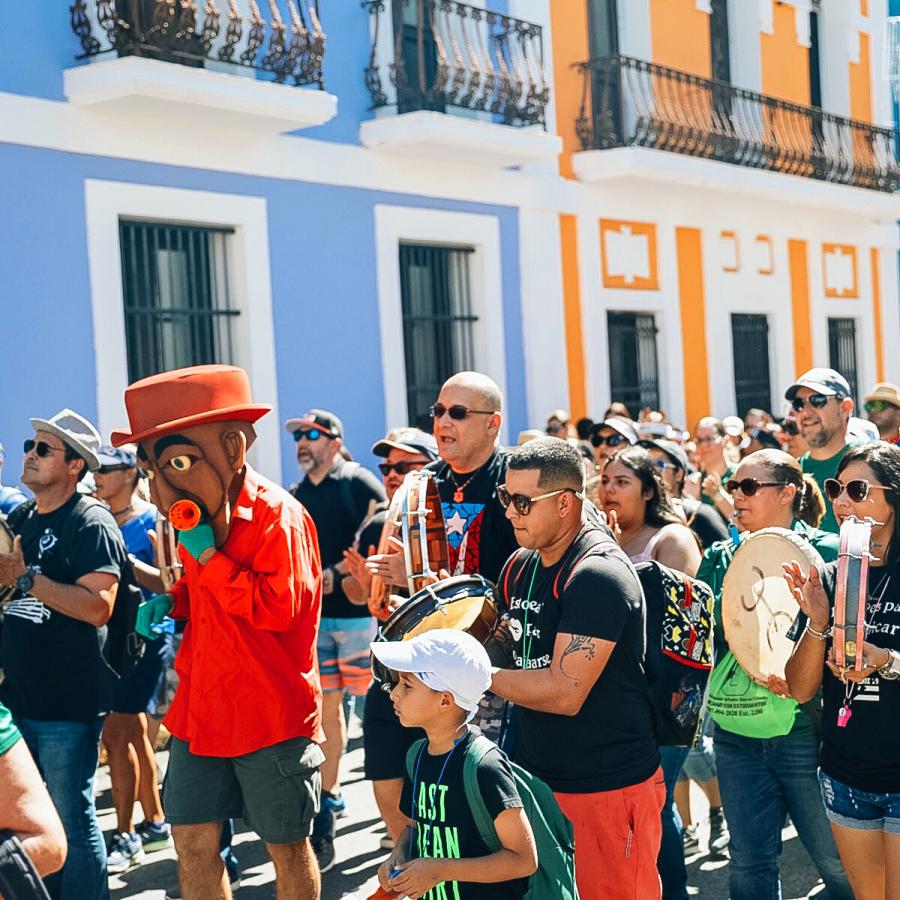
401,224
106,202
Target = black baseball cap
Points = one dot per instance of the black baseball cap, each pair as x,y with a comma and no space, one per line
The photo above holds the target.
620,426
317,418
822,381
671,449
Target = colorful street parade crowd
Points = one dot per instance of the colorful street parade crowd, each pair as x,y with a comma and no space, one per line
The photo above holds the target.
546,644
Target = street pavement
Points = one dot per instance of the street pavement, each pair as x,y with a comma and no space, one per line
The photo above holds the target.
359,855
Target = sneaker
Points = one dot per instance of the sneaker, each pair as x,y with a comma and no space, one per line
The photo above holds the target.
691,841
719,838
324,849
154,835
322,837
174,893
337,803
125,850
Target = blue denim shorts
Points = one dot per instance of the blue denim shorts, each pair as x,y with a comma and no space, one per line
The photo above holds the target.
857,809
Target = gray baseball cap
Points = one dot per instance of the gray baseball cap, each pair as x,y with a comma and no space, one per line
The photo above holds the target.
410,440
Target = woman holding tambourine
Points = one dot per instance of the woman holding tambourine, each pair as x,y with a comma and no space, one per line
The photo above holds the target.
766,744
860,760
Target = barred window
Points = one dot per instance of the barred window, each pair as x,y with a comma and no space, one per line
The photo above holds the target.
438,321
633,369
750,349
178,305
842,351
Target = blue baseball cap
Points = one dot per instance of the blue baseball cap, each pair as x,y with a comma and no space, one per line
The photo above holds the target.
116,458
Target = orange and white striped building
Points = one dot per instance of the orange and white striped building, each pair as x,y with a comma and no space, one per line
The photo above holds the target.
727,217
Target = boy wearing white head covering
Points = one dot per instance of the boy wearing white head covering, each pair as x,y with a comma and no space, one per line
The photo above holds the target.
442,676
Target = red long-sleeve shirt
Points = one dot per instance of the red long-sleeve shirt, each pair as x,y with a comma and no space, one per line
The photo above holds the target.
248,676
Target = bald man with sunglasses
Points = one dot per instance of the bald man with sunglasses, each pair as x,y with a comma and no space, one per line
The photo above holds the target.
584,720
822,408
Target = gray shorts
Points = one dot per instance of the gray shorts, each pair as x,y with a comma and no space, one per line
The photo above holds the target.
275,790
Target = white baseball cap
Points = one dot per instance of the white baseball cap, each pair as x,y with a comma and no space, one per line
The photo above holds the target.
444,660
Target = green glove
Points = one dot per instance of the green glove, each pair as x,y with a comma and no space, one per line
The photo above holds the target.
197,540
152,612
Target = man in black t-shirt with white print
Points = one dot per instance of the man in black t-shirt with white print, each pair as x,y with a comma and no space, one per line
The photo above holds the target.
66,565
584,720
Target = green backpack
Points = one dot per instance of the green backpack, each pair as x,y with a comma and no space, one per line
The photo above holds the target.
555,875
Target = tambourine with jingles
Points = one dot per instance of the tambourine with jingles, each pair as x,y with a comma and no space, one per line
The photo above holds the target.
414,527
465,602
758,607
850,593
7,542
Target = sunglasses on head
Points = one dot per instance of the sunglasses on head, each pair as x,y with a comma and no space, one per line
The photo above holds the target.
522,504
311,434
857,489
816,401
457,412
749,486
876,405
791,428
41,448
401,468
612,440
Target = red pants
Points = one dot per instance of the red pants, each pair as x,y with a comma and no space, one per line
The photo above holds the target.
617,837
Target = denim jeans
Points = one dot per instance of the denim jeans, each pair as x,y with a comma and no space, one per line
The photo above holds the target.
761,780
670,862
67,754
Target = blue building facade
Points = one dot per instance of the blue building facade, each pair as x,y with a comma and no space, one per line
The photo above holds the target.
135,175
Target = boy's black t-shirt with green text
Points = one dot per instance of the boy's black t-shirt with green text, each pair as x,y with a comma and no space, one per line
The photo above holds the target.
445,827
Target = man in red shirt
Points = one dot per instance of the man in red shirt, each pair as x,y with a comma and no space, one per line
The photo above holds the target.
245,718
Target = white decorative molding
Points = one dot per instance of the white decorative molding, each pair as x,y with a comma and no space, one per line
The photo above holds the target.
801,18
248,260
458,139
767,16
133,84
398,224
704,6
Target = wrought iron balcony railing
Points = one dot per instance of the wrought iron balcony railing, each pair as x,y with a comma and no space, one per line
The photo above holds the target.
630,102
440,53
177,31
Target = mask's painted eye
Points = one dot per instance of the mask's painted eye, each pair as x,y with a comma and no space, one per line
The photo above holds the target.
181,463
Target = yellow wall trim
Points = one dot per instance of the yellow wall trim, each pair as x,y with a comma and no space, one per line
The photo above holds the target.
568,229
876,314
798,265
693,323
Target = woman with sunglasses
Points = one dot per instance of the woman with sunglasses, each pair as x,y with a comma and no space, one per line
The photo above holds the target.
791,440
762,778
860,759
641,513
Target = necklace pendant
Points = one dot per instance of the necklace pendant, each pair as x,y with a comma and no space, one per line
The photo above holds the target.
843,716
457,496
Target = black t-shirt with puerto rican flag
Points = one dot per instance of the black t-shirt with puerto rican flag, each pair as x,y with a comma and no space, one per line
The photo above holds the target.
479,535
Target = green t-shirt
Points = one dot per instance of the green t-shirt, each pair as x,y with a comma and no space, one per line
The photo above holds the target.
9,734
713,567
822,469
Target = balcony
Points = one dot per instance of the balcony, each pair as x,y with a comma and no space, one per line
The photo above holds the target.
456,82
630,103
169,58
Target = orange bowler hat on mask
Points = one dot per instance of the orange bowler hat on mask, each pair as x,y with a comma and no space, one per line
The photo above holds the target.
170,401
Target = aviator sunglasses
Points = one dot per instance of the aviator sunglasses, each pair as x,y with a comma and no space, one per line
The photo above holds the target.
857,489
816,401
749,486
401,468
457,412
876,405
41,448
523,504
612,440
313,434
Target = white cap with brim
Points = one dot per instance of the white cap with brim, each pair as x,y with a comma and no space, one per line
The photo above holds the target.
75,432
444,660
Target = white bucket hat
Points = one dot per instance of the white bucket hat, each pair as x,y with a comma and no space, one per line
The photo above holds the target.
75,432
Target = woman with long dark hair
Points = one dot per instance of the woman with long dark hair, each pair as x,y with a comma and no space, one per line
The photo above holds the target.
769,769
860,759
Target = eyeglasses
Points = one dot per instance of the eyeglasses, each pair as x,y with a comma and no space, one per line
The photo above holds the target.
857,489
876,405
749,486
790,427
707,440
662,465
457,412
105,470
313,434
41,448
816,401
612,440
401,468
522,504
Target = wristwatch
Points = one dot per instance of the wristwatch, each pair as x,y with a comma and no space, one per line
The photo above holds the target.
890,671
25,582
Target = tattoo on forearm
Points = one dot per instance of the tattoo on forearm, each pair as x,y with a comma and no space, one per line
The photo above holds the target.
580,643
